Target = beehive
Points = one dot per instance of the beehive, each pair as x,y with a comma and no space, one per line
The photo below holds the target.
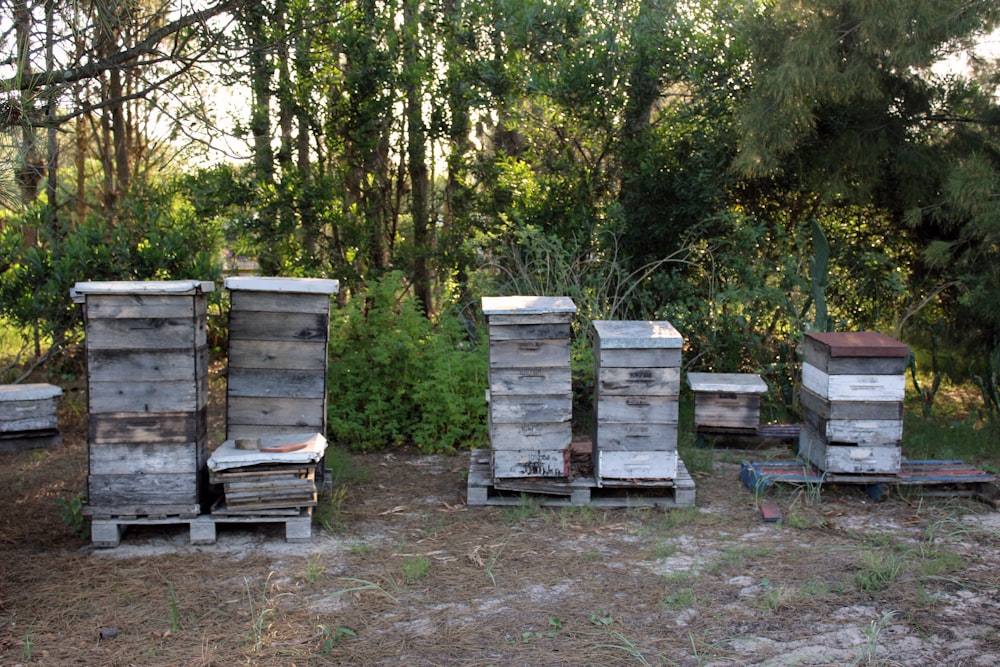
29,416
637,370
853,385
147,363
278,335
530,387
727,401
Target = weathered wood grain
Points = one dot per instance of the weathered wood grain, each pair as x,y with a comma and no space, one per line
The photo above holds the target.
635,465
529,353
255,301
855,431
526,463
145,490
145,397
162,427
146,334
234,431
536,436
33,415
302,413
652,381
828,409
636,409
133,306
530,381
277,383
272,354
151,458
818,355
835,458
530,409
528,332
641,437
293,327
629,358
147,365
726,410
853,387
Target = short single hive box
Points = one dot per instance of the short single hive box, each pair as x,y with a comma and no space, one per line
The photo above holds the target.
29,416
147,364
530,388
278,335
637,389
727,402
853,384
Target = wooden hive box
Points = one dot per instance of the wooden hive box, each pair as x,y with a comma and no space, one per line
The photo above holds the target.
637,389
853,385
278,340
147,392
530,388
727,401
29,416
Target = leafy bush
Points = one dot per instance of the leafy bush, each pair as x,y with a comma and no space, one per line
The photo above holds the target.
396,378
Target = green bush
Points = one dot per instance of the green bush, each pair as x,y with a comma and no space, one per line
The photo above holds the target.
396,378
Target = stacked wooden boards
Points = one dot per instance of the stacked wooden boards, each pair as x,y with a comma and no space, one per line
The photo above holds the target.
29,416
637,369
147,365
530,386
727,402
278,476
853,385
278,334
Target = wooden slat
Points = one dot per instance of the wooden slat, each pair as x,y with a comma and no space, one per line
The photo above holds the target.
850,409
304,413
726,410
848,458
161,427
628,358
292,327
856,344
818,355
146,365
529,353
856,431
531,409
277,383
255,301
853,387
234,431
636,465
633,381
142,397
271,354
146,459
525,463
646,436
532,436
143,490
164,306
530,381
146,334
528,332
637,409
32,415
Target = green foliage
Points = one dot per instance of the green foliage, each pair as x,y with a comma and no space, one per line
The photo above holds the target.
71,513
396,378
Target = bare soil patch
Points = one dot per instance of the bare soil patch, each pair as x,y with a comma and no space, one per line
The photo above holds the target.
412,576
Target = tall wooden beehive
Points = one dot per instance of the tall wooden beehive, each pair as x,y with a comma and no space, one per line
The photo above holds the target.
147,393
853,385
278,335
530,385
637,388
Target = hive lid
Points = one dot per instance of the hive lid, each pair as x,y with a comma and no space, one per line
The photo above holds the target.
637,334
178,287
282,284
527,305
28,392
227,455
732,383
859,344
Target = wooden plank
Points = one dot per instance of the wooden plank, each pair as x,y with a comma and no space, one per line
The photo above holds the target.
144,397
161,427
726,410
631,358
498,332
726,383
271,354
147,458
818,355
873,388
637,409
143,490
146,365
635,334
769,510
529,353
641,437
531,409
635,465
256,301
277,383
530,381
303,413
856,344
132,306
33,415
21,440
531,436
282,284
856,431
234,431
848,458
632,381
850,409
292,327
146,334
530,463
495,308
31,391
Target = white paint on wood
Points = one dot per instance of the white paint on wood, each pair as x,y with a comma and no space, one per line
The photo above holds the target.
282,284
527,305
636,334
856,431
637,409
853,387
28,392
530,463
227,456
636,465
641,437
537,436
736,383
636,381
850,409
176,287
834,458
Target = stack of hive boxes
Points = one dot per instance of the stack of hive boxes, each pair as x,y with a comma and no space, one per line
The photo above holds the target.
29,416
637,367
852,402
530,386
147,389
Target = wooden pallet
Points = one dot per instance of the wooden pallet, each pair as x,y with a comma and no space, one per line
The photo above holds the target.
951,478
106,532
577,490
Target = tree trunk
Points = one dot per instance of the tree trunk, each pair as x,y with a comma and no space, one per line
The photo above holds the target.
417,157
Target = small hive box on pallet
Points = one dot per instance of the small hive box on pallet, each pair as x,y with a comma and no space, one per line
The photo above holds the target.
637,370
853,385
28,416
530,388
727,402
147,392
278,335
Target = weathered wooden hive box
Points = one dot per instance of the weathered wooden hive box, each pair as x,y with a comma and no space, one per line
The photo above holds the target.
853,384
530,387
278,335
637,370
147,392
727,401
29,416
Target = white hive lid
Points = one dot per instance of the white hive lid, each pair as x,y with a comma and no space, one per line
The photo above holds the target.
637,334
